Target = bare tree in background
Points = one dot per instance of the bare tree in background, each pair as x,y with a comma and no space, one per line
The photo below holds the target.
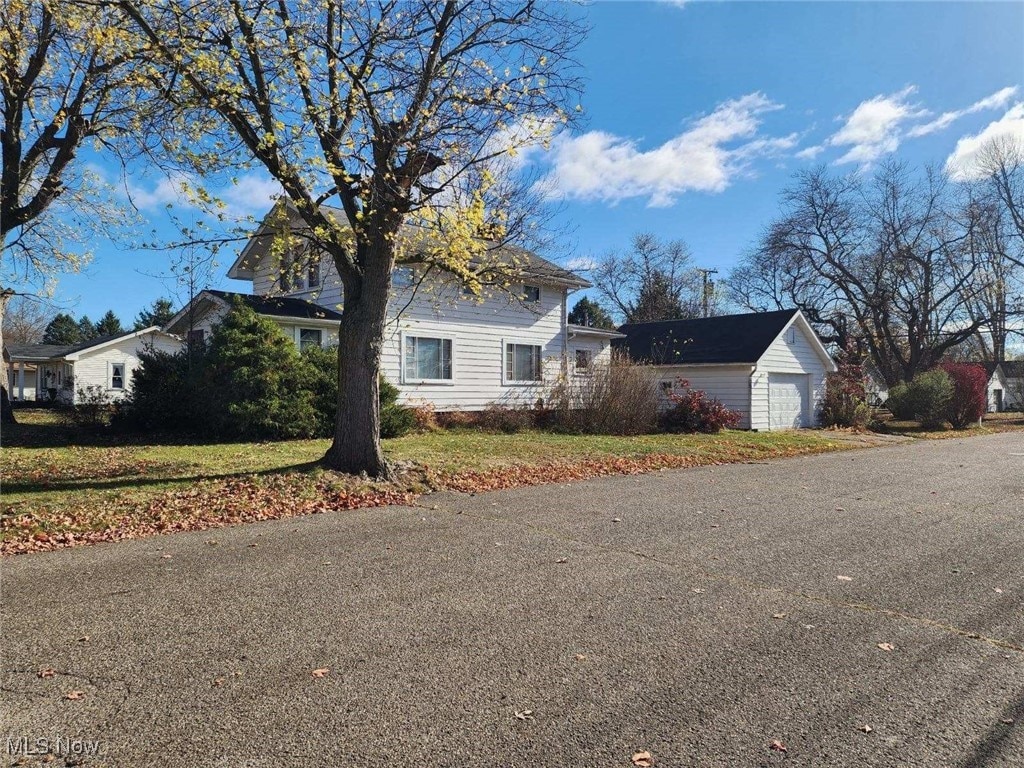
652,280
883,260
26,319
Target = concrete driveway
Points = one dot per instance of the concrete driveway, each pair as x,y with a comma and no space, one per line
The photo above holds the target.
698,615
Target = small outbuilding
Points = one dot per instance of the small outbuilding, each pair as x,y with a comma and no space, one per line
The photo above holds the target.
768,366
1005,385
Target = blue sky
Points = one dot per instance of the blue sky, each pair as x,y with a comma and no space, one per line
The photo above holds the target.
698,114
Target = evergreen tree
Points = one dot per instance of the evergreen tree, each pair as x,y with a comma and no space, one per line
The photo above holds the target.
160,313
254,376
62,330
591,314
86,328
657,300
109,325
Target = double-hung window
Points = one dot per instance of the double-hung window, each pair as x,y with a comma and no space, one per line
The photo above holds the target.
427,359
286,278
117,375
313,272
310,337
583,360
523,364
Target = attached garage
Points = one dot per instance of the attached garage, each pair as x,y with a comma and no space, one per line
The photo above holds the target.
768,366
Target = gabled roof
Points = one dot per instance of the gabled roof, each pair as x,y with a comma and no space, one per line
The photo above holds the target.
527,262
725,340
1013,369
271,306
41,352
280,306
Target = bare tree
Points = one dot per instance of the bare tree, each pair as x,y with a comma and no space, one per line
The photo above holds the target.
403,113
26,319
653,280
882,260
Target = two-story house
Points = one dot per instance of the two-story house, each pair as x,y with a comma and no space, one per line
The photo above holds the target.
443,345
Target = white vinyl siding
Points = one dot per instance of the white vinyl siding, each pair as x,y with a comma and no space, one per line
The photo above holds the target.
479,326
730,384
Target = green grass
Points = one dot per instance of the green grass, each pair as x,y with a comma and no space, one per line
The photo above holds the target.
53,487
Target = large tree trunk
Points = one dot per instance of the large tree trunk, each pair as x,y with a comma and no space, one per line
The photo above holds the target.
356,447
6,410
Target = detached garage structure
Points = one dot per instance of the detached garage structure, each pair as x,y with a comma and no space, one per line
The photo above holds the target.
768,366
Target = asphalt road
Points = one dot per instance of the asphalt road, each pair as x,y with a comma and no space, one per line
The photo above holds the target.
696,614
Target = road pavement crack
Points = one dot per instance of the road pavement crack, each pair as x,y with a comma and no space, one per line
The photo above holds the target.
848,605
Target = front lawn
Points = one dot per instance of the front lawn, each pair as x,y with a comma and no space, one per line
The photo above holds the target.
991,424
55,494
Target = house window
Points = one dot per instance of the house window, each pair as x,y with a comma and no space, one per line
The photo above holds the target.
197,337
313,273
117,375
428,359
666,387
287,279
584,357
310,337
402,277
531,294
791,336
522,363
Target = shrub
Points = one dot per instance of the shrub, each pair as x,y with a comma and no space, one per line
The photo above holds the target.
395,420
321,378
92,410
969,399
693,411
899,402
845,400
165,396
253,380
925,399
620,398
500,418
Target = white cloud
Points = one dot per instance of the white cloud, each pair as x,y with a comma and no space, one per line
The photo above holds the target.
997,100
705,157
874,128
963,165
252,195
580,264
810,152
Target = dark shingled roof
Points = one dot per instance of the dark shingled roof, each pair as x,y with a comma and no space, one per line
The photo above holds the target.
280,306
1013,369
723,340
52,351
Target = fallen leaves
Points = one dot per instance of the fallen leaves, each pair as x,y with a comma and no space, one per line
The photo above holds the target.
526,714
777,746
74,695
46,672
844,578
886,647
865,729
643,759
322,672
778,615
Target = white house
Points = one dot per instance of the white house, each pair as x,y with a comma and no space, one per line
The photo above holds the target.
59,373
768,366
1005,385
443,345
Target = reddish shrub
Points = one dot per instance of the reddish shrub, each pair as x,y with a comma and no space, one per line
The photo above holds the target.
970,393
693,411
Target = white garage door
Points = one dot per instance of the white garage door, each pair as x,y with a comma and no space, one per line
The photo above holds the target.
787,399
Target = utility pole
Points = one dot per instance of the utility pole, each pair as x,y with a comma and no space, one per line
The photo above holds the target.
708,287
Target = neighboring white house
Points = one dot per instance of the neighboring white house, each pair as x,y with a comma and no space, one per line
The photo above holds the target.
768,366
1005,385
58,373
442,345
